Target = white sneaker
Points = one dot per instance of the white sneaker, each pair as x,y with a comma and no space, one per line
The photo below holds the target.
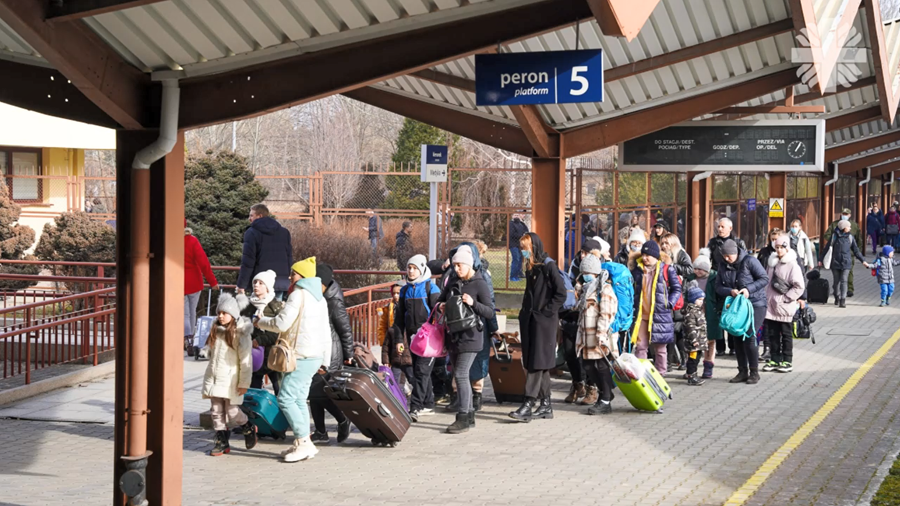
304,450
293,447
426,411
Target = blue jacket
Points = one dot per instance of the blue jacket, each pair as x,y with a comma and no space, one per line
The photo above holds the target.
874,222
664,297
267,245
415,305
747,273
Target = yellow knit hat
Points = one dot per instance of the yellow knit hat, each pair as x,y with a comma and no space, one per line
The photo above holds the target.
305,267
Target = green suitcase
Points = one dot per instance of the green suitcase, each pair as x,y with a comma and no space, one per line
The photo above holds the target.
648,393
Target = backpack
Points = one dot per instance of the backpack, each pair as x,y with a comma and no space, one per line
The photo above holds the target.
737,317
680,302
459,316
802,324
571,297
623,286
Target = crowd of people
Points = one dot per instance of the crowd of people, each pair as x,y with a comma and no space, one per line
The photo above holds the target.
677,305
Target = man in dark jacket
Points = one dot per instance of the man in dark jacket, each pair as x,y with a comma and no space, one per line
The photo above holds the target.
874,226
516,230
403,247
376,232
267,246
724,229
841,245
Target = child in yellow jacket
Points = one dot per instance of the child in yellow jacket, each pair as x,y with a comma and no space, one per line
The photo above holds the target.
386,314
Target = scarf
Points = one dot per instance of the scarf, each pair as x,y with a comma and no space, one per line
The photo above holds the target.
261,304
593,287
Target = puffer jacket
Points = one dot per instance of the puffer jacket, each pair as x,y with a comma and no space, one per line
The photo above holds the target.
843,247
874,223
312,333
622,256
385,321
471,340
884,266
341,331
806,254
682,263
262,337
229,368
783,307
663,299
745,272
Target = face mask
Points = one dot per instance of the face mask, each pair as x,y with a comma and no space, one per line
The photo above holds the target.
635,248
795,230
588,278
845,217
526,254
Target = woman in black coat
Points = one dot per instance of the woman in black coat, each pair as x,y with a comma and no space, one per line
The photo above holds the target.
465,345
341,352
545,293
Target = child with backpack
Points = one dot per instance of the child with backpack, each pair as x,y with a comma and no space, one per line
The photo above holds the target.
595,344
884,272
657,293
228,373
695,339
705,279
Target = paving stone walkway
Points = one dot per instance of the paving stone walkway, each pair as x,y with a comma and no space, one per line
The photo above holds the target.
57,448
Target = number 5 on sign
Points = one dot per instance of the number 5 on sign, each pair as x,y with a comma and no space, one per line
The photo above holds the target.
579,79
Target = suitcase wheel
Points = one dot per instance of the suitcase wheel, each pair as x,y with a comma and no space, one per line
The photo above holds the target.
385,444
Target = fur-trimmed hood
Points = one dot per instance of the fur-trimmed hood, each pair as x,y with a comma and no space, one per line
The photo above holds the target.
634,259
789,258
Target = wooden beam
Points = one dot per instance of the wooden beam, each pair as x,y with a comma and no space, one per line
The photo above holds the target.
291,81
789,96
852,118
611,132
117,88
451,80
884,74
860,146
886,168
546,145
867,161
622,18
67,10
858,85
774,109
803,14
477,128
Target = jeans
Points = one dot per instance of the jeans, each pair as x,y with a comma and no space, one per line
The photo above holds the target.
374,243
190,313
222,409
892,240
781,341
515,268
598,371
840,283
256,380
887,290
461,364
537,384
294,392
423,394
407,371
660,352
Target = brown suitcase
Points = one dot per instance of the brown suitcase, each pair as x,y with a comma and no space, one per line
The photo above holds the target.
369,404
506,369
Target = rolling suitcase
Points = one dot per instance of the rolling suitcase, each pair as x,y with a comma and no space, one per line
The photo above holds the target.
506,370
648,393
369,404
204,327
818,288
261,407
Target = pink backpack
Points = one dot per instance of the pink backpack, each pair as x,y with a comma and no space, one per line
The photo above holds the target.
429,340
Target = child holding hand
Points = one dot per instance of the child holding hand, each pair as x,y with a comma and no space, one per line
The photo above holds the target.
884,272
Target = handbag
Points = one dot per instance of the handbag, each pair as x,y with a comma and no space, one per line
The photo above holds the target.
429,339
460,316
892,229
282,354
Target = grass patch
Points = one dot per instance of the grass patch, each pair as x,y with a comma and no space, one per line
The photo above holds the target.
889,492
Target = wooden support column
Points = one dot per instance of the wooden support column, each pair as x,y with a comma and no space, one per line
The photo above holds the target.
548,204
827,210
698,214
166,367
862,197
778,189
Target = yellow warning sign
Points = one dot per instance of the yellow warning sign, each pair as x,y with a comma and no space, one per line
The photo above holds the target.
776,208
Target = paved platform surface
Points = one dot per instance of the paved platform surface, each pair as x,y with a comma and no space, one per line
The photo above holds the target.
57,448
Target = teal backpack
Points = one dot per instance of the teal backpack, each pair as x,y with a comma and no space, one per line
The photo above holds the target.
623,286
737,317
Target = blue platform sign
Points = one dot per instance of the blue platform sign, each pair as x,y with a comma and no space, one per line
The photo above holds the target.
434,164
751,204
552,77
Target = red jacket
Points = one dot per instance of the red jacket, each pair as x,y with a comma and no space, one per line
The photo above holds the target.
892,218
196,266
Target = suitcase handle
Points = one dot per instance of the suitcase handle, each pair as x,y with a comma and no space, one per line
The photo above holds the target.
497,354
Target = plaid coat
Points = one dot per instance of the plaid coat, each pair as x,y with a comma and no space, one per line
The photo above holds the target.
594,322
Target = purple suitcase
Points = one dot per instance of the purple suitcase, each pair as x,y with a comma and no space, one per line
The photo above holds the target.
393,386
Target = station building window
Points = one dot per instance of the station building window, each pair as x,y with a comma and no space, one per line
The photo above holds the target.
874,194
21,162
845,197
802,202
732,195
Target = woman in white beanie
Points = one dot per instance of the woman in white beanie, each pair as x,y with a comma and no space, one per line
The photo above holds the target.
637,239
263,304
595,344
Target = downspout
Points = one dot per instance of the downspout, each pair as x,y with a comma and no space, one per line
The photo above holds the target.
837,174
701,176
889,183
133,482
868,176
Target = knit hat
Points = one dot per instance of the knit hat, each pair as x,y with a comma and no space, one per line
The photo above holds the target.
268,279
844,223
590,265
730,247
694,294
464,256
887,250
637,235
326,273
702,261
419,261
604,246
590,245
650,248
228,304
782,240
305,267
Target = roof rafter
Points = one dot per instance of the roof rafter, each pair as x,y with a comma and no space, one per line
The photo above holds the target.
622,18
861,146
867,161
545,144
68,10
853,118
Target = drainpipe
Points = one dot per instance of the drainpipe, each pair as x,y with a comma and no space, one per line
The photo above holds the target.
868,176
701,176
837,174
133,482
889,183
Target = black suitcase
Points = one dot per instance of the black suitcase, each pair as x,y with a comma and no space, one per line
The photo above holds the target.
817,291
366,400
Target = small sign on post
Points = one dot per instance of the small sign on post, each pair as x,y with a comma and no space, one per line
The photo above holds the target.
776,208
434,164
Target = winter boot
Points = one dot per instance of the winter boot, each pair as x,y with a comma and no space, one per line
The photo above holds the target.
694,381
741,377
600,408
221,446
593,393
754,377
476,401
707,369
525,412
460,425
765,355
302,449
843,303
454,402
545,410
575,392
471,418
343,430
250,436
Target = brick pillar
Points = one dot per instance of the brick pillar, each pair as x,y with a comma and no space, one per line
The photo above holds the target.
548,206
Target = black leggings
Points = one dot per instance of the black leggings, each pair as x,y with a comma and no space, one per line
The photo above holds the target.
598,371
317,409
570,333
747,350
256,380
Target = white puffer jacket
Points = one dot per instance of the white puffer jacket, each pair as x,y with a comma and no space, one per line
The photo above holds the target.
229,368
313,334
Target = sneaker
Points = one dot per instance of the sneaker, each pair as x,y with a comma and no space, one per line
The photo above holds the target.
303,449
887,301
319,437
443,400
426,411
695,381
785,367
770,366
600,408
414,414
291,448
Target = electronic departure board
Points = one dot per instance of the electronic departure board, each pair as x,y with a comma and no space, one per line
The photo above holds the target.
781,145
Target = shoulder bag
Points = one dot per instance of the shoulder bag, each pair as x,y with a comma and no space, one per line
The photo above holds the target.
282,354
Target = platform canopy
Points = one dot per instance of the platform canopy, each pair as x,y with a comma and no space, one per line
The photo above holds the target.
667,61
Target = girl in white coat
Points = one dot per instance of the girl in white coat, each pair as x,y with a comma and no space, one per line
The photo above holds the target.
229,372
